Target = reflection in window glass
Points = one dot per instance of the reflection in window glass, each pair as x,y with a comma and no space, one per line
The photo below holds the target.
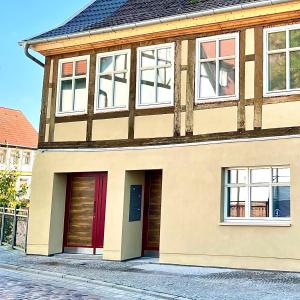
281,201
106,64
227,77
237,176
208,50
295,69
252,193
277,40
73,86
113,84
260,175
277,71
283,60
208,80
280,175
217,68
156,75
147,87
237,198
260,202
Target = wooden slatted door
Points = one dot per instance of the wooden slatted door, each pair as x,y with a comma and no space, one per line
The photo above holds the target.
152,211
85,211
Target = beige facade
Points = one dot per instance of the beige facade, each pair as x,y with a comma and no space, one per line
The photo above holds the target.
192,227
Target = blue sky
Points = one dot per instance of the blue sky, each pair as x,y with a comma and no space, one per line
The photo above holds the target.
20,78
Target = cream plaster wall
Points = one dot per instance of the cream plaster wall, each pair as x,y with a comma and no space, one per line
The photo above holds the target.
132,231
110,129
249,79
154,126
250,42
249,117
281,115
47,133
182,125
70,131
196,237
215,120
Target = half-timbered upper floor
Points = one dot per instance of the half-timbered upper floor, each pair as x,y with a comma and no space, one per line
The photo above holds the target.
223,74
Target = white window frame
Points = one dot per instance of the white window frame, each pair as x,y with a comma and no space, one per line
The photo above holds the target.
217,39
140,69
98,74
60,79
270,184
287,51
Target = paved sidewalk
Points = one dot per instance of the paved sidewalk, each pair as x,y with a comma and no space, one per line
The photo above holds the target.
148,278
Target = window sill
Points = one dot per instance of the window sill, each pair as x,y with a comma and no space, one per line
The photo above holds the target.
216,100
257,223
69,114
285,93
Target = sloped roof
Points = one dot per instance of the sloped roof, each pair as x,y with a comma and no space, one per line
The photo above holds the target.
16,130
101,14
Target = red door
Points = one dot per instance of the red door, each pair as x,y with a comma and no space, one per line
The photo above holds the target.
85,211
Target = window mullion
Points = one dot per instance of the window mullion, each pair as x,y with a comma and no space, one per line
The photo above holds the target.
155,75
271,196
73,94
248,201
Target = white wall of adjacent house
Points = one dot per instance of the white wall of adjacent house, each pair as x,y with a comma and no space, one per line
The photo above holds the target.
21,160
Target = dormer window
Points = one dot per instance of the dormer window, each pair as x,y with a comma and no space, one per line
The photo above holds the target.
72,92
217,68
155,77
112,81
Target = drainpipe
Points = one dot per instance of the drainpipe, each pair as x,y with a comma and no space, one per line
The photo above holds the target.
26,50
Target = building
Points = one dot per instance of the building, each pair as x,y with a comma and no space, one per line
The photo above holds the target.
18,143
171,129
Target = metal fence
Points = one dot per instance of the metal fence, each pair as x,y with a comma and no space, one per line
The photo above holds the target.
14,225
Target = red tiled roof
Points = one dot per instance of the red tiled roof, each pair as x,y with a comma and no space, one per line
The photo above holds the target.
16,130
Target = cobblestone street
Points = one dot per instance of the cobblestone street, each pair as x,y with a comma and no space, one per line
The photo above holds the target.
20,285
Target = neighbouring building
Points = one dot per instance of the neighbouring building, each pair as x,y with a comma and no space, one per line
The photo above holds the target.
172,129
18,143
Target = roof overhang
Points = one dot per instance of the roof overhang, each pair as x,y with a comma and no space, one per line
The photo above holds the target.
204,21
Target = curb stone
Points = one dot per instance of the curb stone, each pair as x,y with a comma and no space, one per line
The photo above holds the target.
91,281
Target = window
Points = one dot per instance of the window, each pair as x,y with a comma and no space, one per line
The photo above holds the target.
3,156
257,193
72,91
15,156
26,158
282,60
112,81
217,68
155,79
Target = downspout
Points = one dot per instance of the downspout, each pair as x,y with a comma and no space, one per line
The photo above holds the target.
30,56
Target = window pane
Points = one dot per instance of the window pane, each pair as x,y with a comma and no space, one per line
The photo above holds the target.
164,56
295,38
148,58
121,90
277,40
227,47
147,87
67,69
237,198
259,202
295,69
80,94
105,91
164,85
106,64
227,77
208,50
66,96
80,68
281,175
121,62
281,201
277,72
260,175
237,176
208,80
